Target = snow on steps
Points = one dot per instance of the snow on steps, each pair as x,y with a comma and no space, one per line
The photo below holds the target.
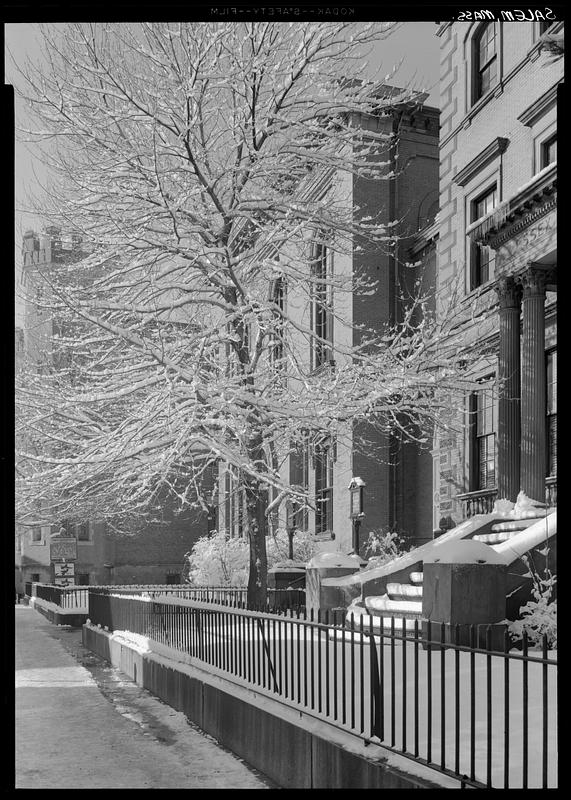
502,531
372,621
520,543
397,607
403,591
401,605
511,537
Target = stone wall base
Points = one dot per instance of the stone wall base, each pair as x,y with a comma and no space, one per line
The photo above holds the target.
293,749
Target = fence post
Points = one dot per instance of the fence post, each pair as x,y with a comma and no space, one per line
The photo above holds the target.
375,688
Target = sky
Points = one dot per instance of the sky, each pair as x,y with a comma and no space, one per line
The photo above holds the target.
415,43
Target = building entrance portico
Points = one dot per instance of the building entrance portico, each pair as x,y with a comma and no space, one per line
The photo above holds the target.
522,442
523,234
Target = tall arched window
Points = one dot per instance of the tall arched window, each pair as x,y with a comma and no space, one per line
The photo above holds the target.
322,304
485,59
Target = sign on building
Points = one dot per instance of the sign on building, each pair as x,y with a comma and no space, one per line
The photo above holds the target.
65,581
65,569
64,573
63,549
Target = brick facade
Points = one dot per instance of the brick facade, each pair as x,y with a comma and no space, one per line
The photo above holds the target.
492,141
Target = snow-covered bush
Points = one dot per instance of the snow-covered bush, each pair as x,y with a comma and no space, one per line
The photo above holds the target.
384,546
538,615
218,560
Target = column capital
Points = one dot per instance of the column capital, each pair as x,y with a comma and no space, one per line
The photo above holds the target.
533,281
509,292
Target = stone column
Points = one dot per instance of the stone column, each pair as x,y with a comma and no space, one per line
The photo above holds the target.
533,444
509,432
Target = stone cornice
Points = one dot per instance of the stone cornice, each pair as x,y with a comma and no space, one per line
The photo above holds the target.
539,107
527,205
494,149
510,231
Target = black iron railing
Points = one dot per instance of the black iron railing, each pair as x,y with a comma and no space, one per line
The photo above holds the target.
52,594
75,597
486,717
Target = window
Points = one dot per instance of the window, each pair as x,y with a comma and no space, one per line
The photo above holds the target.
482,257
172,578
484,476
82,579
324,488
551,370
234,505
549,152
35,577
82,532
485,60
322,306
299,476
277,293
36,535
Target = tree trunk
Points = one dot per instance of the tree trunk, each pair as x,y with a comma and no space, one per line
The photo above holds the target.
256,526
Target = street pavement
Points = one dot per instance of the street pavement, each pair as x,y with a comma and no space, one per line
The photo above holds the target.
82,724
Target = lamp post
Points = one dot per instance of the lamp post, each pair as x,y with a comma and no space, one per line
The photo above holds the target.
290,527
356,509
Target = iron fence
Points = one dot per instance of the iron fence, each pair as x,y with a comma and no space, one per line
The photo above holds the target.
486,717
75,597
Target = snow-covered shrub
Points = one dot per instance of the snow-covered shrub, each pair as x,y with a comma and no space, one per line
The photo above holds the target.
538,615
304,547
384,546
218,560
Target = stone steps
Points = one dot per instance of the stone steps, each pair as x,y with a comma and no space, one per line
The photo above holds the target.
373,621
502,531
513,525
404,591
400,606
383,604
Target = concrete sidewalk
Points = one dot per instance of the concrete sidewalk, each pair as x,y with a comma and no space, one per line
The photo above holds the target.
79,727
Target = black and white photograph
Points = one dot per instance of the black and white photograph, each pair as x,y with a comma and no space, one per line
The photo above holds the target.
285,417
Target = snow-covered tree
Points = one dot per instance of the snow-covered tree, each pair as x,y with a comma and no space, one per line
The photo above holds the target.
202,166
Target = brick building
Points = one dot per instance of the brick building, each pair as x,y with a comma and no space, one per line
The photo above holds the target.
497,244
397,474
155,554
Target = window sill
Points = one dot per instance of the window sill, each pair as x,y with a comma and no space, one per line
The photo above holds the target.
36,544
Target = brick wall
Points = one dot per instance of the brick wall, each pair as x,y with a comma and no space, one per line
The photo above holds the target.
398,494
466,130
